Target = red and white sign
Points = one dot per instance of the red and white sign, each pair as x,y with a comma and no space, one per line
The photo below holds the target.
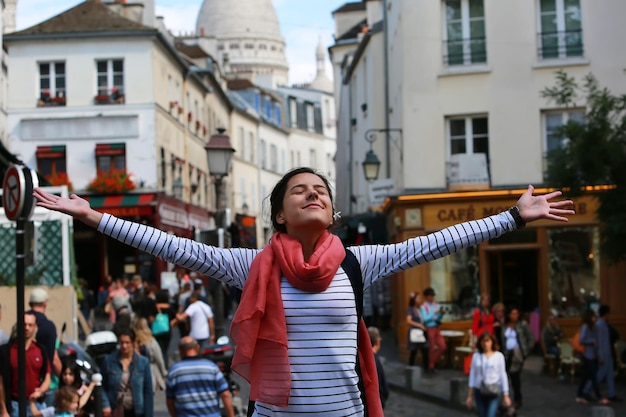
13,194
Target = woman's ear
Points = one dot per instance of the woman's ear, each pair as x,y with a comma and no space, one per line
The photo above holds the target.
279,218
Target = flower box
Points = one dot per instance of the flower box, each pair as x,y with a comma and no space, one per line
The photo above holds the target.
59,178
112,182
102,99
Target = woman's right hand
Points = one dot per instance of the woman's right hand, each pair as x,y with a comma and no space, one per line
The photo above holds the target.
74,206
468,402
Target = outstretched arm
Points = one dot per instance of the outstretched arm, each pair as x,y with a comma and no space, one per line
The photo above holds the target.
75,206
533,208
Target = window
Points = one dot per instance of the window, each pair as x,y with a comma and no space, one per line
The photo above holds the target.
110,79
273,158
251,146
51,84
468,135
257,102
263,154
465,42
242,147
51,161
574,268
110,157
553,121
560,31
293,112
279,119
249,46
234,46
268,109
313,158
310,117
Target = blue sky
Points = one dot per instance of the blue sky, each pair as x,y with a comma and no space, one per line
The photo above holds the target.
302,23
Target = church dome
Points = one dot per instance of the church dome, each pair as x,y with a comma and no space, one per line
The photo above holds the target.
243,18
247,34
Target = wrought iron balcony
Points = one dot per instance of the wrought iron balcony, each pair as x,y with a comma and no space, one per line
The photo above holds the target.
559,45
468,51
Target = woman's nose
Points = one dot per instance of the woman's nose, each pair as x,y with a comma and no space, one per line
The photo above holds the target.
313,194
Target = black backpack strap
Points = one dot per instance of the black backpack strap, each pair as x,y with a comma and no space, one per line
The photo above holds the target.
352,269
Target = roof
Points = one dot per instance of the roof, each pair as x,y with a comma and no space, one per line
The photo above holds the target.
191,51
88,16
240,84
350,7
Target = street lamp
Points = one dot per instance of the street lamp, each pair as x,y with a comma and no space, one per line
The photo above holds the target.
371,163
177,188
219,154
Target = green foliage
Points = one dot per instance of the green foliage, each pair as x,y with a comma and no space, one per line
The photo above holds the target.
593,154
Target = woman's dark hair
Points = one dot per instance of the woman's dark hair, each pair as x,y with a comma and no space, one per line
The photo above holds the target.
71,365
412,300
126,331
587,318
162,296
487,335
278,194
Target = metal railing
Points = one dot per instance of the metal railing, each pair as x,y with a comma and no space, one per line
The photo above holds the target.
564,44
465,51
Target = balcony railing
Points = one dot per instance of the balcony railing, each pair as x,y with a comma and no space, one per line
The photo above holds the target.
468,51
558,45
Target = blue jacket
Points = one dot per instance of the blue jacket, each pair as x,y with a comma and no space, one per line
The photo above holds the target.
140,383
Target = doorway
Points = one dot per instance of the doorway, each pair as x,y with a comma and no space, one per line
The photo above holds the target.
513,278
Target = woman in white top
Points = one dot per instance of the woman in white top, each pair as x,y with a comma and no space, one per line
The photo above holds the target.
488,379
296,328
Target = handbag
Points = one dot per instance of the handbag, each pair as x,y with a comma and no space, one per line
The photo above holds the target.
417,336
161,324
488,390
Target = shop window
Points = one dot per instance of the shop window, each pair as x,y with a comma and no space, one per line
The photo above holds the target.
456,283
574,262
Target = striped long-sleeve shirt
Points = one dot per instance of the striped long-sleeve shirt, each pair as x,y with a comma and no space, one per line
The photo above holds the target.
321,327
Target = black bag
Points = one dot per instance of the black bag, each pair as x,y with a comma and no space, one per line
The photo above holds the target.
489,390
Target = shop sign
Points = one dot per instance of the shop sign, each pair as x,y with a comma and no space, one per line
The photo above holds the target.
173,216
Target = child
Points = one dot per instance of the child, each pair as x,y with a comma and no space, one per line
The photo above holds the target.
383,389
66,404
70,376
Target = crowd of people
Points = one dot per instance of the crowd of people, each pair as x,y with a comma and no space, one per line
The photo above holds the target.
502,342
295,289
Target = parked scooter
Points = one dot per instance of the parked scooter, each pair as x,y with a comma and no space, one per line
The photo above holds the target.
221,353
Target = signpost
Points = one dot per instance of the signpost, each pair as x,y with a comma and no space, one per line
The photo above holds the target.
18,202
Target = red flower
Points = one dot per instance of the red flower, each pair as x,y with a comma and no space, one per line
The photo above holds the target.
59,178
112,182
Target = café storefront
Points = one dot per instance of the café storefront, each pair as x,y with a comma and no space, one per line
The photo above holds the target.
98,256
545,267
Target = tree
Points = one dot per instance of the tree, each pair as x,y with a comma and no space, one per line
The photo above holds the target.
593,153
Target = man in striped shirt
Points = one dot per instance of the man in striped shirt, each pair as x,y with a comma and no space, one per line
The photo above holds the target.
194,384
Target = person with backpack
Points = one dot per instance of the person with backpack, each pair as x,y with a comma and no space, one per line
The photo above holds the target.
296,328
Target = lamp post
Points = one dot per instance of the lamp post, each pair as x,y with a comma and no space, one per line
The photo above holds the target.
219,153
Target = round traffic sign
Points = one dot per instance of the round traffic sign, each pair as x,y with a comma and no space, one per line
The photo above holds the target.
13,194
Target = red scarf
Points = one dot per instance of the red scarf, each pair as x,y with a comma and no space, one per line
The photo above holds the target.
261,356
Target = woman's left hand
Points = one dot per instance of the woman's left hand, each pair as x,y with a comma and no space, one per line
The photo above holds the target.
533,207
506,400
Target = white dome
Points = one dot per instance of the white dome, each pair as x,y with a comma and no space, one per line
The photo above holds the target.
248,33
241,19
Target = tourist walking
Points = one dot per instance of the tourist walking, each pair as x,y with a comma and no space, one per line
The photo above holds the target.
416,339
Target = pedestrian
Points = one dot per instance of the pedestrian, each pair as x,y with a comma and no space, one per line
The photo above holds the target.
46,338
483,318
103,295
87,301
117,299
432,314
65,404
126,380
195,385
518,342
201,323
418,341
70,376
499,322
37,368
551,336
149,347
487,379
165,311
383,388
297,319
